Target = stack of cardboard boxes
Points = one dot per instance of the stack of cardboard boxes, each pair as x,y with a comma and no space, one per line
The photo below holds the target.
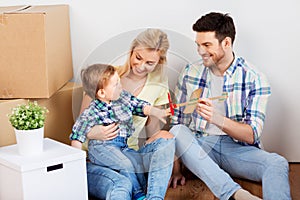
36,64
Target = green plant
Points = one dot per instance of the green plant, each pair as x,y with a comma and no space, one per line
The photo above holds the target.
28,116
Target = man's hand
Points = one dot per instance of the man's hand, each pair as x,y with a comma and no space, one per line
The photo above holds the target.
176,177
206,109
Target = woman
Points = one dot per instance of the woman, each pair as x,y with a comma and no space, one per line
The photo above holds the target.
142,75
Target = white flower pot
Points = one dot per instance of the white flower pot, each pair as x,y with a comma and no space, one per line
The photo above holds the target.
30,142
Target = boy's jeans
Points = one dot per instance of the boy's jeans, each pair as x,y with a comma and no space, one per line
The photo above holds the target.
205,155
116,155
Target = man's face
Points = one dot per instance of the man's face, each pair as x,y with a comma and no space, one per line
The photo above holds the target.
209,48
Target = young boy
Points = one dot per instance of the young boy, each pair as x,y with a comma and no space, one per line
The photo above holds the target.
110,105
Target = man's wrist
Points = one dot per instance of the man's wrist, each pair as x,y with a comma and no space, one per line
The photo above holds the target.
223,123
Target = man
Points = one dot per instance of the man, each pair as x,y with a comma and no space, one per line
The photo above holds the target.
221,137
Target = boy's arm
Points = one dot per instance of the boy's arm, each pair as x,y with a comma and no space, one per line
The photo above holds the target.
153,124
156,112
76,144
79,129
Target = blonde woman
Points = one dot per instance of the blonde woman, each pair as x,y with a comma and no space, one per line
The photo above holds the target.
142,75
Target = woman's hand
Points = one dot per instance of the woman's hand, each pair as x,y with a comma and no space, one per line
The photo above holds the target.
100,132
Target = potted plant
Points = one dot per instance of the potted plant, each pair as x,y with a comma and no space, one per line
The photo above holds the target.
28,121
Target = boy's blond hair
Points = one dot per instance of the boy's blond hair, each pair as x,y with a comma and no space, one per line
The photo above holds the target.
96,77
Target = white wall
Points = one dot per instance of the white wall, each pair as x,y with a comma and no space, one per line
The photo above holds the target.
267,35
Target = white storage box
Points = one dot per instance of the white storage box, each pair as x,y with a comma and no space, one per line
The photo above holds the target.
59,173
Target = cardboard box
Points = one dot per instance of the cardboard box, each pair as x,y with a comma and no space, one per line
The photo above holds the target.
58,173
35,46
63,106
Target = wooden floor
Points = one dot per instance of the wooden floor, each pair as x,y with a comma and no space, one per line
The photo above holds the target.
196,189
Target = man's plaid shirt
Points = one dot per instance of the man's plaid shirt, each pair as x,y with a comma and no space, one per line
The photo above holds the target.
248,92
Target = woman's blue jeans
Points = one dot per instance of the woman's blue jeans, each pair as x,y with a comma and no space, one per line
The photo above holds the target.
213,158
105,183
158,157
116,155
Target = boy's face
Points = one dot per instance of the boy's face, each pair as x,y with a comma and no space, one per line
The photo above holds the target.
112,90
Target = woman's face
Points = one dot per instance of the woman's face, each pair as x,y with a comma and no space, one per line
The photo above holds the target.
143,61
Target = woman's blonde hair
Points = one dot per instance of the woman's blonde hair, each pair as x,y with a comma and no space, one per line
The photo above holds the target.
152,39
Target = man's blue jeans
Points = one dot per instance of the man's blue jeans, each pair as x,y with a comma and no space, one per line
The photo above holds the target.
213,158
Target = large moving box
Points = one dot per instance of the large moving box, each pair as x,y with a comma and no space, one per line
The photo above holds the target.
35,46
63,108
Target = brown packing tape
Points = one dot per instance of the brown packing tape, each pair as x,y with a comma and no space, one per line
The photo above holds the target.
3,20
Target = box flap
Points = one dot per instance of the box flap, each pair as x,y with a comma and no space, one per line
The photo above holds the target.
43,8
70,86
28,9
13,9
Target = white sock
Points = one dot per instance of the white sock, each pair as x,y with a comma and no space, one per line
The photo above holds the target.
242,194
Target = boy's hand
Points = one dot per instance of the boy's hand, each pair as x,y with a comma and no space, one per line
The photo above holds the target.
160,113
76,144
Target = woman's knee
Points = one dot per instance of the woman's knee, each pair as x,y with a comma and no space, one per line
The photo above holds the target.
164,134
179,128
161,134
